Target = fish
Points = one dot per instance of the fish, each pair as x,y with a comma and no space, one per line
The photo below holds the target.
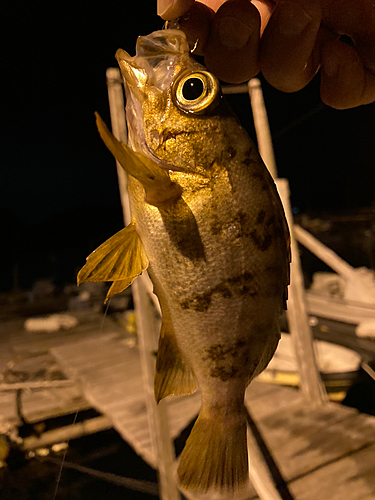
209,227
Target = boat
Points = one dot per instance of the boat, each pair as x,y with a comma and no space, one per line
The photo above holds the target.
338,367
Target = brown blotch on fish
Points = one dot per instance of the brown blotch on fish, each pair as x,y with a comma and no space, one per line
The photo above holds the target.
219,352
260,217
200,302
259,176
223,356
242,218
224,373
245,223
260,241
231,152
223,290
249,161
242,278
236,286
216,227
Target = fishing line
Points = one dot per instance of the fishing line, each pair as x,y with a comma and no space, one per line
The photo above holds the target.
75,417
63,460
105,314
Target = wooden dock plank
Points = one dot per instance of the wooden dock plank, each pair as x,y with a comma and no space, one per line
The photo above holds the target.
8,411
258,390
305,438
351,477
307,442
271,401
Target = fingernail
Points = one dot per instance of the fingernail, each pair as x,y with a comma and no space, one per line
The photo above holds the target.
163,6
168,9
233,33
292,19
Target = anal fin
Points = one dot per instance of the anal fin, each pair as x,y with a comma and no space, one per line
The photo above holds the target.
173,374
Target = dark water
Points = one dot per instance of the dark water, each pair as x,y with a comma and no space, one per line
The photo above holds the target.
36,479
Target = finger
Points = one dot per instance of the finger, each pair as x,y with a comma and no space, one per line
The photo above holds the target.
171,9
265,8
289,53
345,83
196,24
232,49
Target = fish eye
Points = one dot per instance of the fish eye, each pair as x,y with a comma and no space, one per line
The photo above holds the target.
192,89
196,92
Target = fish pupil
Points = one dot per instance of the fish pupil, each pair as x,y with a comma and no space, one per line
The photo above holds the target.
192,89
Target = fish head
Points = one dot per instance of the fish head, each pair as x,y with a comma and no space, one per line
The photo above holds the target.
174,106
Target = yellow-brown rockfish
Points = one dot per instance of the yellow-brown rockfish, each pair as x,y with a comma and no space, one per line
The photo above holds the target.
208,224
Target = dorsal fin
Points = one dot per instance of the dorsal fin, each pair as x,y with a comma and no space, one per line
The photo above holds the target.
119,259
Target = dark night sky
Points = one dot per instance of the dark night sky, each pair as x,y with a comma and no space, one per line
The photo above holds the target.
59,195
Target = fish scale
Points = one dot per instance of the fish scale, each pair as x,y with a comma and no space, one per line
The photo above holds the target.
208,224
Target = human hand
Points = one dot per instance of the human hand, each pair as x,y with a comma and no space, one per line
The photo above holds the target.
288,40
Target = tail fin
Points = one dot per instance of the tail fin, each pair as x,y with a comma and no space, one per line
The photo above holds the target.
215,455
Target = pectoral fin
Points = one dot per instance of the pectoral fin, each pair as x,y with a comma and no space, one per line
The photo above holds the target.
159,188
119,259
173,375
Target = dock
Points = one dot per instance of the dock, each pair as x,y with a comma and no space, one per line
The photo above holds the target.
326,453
27,365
